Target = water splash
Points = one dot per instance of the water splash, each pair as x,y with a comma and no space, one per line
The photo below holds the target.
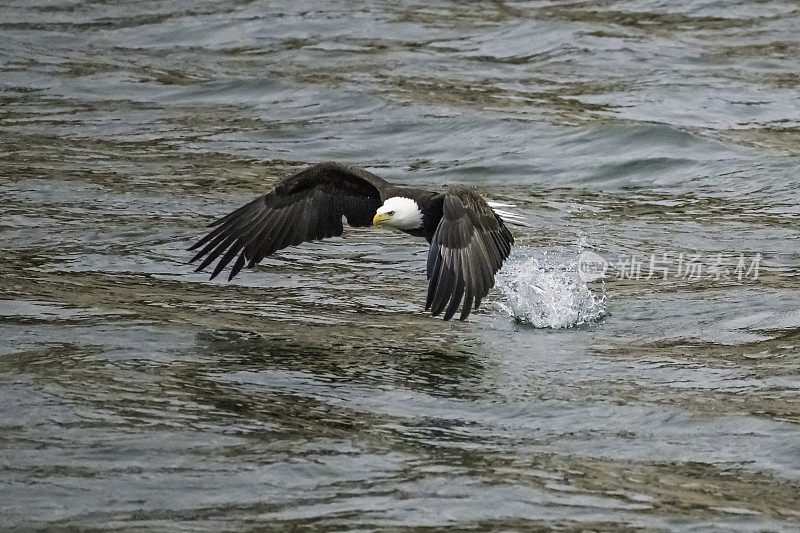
542,288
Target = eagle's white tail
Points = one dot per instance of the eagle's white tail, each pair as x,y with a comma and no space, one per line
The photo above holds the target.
508,216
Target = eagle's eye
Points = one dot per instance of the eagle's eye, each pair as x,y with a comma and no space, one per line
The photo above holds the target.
390,213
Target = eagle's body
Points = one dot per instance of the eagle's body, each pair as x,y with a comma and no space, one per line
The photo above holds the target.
469,241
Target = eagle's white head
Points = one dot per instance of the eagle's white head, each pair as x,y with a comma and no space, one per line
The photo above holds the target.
398,213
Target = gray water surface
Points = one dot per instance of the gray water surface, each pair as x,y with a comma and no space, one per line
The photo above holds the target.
314,392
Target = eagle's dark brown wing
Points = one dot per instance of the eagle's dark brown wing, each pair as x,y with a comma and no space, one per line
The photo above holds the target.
305,207
468,248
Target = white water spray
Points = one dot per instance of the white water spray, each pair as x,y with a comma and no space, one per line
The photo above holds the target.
544,289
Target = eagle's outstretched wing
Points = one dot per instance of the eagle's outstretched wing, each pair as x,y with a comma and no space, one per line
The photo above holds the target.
468,248
305,207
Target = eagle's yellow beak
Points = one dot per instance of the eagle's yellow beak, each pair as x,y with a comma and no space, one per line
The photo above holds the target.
379,219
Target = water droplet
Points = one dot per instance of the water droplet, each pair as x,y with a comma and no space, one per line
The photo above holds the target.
545,289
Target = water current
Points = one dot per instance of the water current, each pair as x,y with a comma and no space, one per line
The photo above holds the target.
313,392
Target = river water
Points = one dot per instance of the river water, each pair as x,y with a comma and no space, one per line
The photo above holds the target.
313,392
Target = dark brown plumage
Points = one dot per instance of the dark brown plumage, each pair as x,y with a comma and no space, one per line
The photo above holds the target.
469,241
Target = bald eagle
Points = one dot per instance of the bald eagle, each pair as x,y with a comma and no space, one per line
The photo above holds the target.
468,240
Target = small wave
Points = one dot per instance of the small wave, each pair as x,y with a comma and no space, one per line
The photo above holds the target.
542,288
